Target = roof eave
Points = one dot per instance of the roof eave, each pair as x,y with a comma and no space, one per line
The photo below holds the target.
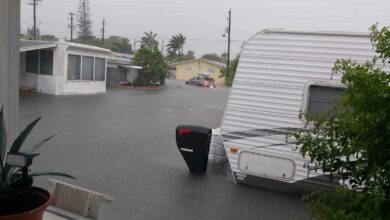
38,47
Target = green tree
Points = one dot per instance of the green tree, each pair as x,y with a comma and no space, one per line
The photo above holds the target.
213,57
84,20
30,33
89,40
352,141
154,67
171,56
48,37
149,40
232,71
176,44
224,57
118,44
114,43
190,55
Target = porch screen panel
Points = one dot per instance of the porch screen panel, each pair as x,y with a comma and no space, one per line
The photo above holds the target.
322,98
123,73
100,69
46,65
87,73
32,60
74,64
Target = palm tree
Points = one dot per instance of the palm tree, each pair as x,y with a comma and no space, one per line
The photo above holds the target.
176,44
149,40
171,56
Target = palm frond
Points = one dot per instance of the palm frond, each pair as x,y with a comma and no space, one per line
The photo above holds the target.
18,144
38,145
3,137
8,173
51,174
22,137
3,147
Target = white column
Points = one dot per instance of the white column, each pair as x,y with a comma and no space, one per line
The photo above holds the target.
9,64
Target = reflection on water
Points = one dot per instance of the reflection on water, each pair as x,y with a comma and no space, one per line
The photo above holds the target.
222,168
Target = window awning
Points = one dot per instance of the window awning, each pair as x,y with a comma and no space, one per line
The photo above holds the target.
131,67
28,45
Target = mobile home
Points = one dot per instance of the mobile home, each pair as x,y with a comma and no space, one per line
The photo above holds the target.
121,69
62,68
280,74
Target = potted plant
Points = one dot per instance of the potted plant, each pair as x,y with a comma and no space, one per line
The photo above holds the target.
19,199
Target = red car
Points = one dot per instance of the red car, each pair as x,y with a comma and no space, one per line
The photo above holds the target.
204,81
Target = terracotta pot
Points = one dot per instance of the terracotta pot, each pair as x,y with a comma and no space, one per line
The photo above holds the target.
41,197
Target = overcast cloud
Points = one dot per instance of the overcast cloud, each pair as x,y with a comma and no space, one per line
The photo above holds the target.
203,21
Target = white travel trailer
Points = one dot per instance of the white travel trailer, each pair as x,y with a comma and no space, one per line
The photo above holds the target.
280,74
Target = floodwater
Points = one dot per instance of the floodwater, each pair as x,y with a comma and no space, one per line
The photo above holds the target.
122,143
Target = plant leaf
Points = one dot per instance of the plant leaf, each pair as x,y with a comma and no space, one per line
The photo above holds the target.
8,172
3,147
2,176
51,174
38,145
3,137
22,137
18,144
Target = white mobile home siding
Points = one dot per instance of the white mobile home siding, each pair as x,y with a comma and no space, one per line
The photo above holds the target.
83,86
268,89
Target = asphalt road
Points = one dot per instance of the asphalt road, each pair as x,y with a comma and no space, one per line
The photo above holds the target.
122,143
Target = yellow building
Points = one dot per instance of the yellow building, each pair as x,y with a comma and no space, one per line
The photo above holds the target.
188,69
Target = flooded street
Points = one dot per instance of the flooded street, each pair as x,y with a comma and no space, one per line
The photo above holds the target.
122,143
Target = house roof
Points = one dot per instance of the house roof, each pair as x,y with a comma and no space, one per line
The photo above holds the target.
119,58
215,63
132,67
87,47
27,45
120,55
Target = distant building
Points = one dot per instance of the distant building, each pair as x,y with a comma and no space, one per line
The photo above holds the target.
62,68
187,69
121,70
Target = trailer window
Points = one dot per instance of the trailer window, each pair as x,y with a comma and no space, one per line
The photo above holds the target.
87,68
100,69
74,64
32,61
322,98
46,62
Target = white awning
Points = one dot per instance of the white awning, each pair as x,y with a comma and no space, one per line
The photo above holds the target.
131,67
28,45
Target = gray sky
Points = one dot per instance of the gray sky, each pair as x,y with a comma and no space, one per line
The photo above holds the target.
203,21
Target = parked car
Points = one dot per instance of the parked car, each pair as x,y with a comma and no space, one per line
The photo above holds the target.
202,80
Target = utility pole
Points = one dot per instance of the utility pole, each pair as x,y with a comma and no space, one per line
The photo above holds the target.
132,70
228,55
34,3
103,24
35,19
84,18
162,46
71,26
